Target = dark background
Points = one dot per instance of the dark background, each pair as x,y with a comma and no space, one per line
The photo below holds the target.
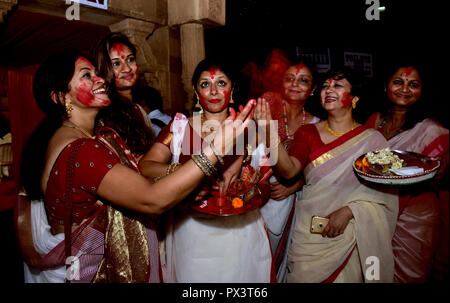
413,29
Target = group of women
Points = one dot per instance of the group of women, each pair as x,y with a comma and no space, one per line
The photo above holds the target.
103,200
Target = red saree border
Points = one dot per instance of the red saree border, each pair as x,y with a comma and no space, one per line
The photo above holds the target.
336,273
332,145
442,141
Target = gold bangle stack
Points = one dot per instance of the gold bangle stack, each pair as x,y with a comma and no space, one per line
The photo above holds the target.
202,161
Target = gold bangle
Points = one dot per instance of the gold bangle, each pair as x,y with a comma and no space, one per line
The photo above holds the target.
212,169
197,161
171,168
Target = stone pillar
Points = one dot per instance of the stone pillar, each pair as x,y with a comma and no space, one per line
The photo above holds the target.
5,7
193,16
192,52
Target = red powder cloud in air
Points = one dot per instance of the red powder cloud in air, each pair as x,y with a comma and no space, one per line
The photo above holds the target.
269,76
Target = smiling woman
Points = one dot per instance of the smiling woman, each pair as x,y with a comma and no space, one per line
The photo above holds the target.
115,60
361,219
81,182
405,123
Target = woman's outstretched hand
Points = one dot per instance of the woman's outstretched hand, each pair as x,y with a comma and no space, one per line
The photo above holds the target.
263,118
232,129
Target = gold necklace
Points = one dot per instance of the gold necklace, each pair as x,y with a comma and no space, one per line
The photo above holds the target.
328,128
72,125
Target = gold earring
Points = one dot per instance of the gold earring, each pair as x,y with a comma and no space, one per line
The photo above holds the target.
231,99
353,104
69,107
197,105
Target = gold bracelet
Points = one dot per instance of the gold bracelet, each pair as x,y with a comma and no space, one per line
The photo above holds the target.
212,169
171,168
197,161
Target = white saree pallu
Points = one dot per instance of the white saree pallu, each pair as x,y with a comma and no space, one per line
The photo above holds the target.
330,185
44,242
203,248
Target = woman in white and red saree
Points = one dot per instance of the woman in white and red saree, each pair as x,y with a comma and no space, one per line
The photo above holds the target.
71,170
201,247
355,245
417,232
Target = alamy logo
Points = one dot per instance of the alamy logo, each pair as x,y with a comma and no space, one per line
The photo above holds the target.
373,11
73,11
373,270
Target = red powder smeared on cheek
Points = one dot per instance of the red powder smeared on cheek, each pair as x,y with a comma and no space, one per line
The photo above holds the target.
227,95
203,101
85,95
346,99
417,94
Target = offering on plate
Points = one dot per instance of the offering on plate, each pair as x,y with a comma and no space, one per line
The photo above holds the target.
382,161
396,167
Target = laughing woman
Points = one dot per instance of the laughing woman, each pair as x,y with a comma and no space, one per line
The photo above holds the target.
72,168
361,218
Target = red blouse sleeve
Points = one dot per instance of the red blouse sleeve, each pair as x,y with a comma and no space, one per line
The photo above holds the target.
300,147
92,162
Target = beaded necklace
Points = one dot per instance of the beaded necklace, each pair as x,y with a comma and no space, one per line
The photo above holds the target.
286,126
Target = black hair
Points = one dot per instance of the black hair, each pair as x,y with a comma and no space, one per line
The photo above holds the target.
52,77
122,115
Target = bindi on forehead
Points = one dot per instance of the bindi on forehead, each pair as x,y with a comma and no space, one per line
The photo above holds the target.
407,72
212,73
120,49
